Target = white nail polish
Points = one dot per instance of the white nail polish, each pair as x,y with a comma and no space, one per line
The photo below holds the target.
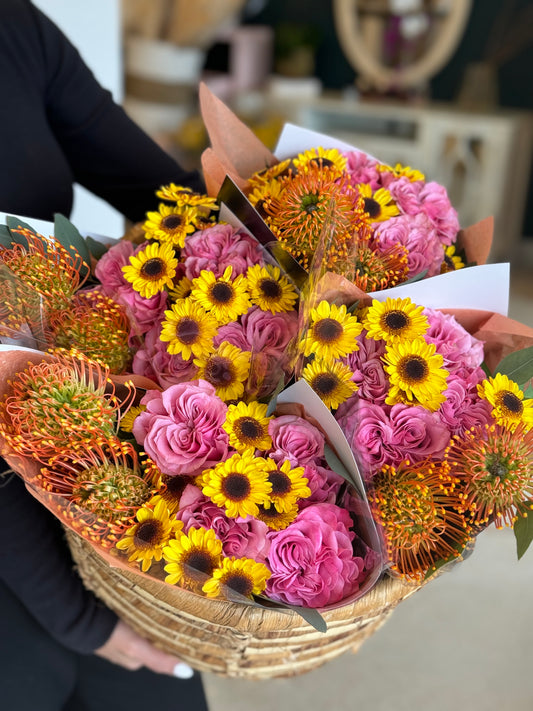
183,671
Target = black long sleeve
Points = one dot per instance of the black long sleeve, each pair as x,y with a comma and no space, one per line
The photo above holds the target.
59,126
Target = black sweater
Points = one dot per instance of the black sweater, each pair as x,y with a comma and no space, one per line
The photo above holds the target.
58,126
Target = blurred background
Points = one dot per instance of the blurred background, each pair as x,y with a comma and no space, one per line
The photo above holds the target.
445,86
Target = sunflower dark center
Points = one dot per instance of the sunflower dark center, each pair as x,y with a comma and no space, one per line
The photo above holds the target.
372,207
325,383
198,564
219,371
281,484
270,288
249,428
448,264
396,320
222,292
153,268
236,486
147,533
187,330
328,330
310,203
171,222
414,368
272,512
175,485
239,583
512,403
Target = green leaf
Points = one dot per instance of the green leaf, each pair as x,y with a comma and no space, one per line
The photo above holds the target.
523,529
353,307
335,463
312,617
69,237
518,366
463,549
485,369
6,239
528,393
96,248
15,223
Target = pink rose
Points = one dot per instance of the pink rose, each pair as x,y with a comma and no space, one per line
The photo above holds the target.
324,484
232,333
311,560
362,168
269,333
435,203
240,537
144,313
220,246
379,436
154,361
368,371
405,194
417,234
181,428
108,270
295,439
452,341
463,408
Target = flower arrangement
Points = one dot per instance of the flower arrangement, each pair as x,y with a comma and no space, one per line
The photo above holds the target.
444,445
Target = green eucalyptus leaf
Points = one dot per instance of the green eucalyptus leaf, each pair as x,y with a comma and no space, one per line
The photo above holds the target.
6,239
485,369
335,463
70,238
523,529
14,223
353,307
518,366
463,550
528,392
312,617
96,248
417,277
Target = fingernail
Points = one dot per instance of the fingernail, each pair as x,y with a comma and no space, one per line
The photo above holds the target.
183,671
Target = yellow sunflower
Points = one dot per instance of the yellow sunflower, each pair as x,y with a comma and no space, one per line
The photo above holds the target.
151,269
186,196
288,485
331,380
145,540
270,289
263,193
181,290
243,576
452,261
127,420
378,205
227,369
169,490
507,400
416,374
273,172
191,558
188,329
402,171
247,426
277,520
332,333
170,224
225,298
330,158
395,320
239,484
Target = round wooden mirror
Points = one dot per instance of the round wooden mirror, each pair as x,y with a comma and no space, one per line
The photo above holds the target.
399,44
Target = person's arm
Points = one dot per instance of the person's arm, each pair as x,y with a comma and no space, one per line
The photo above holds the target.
108,153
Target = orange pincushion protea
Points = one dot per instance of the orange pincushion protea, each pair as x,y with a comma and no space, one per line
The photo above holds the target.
494,470
54,404
95,325
46,266
311,202
98,488
417,509
373,270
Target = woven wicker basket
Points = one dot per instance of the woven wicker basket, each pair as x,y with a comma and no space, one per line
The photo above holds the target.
232,639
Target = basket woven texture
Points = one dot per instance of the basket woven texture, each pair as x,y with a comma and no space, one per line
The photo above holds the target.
232,639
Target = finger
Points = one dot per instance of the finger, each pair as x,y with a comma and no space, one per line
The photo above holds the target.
161,662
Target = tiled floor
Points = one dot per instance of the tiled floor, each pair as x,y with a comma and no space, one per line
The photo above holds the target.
463,642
